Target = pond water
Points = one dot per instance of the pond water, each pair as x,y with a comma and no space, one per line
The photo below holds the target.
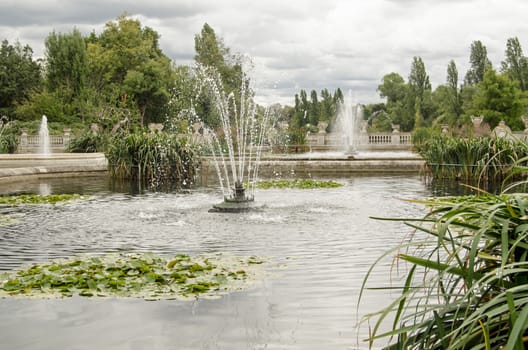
319,243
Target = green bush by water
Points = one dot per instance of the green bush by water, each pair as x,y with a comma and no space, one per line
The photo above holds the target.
466,285
471,159
157,159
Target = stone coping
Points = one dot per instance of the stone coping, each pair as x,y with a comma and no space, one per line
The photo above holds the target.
14,167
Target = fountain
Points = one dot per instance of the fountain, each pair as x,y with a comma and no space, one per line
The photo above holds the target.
44,139
348,122
236,146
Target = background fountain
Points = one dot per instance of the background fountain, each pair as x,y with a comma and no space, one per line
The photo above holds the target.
236,147
44,139
348,123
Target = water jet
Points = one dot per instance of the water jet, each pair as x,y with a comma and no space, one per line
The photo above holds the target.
236,146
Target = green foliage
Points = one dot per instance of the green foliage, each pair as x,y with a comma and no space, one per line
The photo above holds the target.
467,159
146,276
19,76
467,284
515,64
499,98
421,137
159,160
66,64
38,199
311,111
298,184
479,63
8,135
130,70
88,142
212,52
46,103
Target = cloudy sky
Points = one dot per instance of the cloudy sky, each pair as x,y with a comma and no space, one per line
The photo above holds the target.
298,44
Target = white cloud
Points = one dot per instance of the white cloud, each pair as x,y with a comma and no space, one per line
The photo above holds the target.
299,44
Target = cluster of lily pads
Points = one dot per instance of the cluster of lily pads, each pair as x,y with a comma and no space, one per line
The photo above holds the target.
38,199
298,184
146,275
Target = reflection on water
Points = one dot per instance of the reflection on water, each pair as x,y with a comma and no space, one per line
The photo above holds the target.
321,244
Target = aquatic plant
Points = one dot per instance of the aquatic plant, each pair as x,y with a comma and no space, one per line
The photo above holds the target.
37,199
471,159
467,282
88,142
148,276
297,183
155,159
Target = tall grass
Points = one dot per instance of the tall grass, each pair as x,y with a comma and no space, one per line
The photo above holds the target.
157,160
471,159
466,286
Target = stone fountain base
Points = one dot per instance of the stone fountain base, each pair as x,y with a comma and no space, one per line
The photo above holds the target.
229,206
238,202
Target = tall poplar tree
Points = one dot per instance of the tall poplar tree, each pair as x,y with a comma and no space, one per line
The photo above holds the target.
479,63
515,64
419,93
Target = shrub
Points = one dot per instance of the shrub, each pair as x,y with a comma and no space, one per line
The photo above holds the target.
480,158
159,159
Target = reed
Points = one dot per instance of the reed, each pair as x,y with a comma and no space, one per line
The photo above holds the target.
467,282
158,160
472,159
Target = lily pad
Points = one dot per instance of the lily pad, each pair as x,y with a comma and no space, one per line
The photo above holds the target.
146,276
38,199
298,184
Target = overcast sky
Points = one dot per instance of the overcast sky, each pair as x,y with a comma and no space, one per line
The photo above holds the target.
297,44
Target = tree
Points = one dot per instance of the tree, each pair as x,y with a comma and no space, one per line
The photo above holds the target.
211,52
515,65
66,63
399,109
127,62
447,97
338,97
479,63
419,80
498,98
20,75
313,116
392,88
327,106
419,93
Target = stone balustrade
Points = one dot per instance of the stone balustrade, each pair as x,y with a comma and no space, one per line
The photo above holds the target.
30,143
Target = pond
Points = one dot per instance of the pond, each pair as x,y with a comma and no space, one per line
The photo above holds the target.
319,245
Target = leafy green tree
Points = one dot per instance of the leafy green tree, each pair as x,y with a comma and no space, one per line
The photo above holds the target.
314,109
212,52
338,97
515,65
420,89
20,75
498,98
128,64
178,111
327,106
400,101
479,62
67,74
447,97
393,88
66,63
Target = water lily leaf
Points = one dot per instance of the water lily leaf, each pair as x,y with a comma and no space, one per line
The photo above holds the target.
145,276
